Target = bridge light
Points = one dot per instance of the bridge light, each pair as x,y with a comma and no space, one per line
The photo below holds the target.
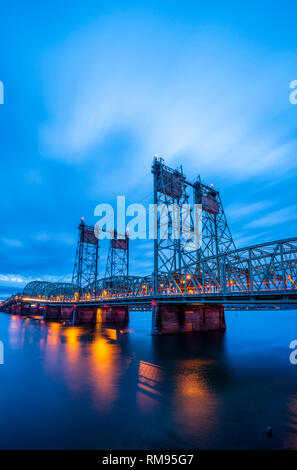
154,303
188,276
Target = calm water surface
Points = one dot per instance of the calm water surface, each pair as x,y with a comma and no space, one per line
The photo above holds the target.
107,387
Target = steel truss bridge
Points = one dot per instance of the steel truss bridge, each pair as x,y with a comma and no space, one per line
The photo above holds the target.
265,272
217,272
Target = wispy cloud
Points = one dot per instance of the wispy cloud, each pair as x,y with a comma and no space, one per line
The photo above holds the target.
13,278
12,242
10,279
197,101
278,217
60,237
242,240
118,90
237,210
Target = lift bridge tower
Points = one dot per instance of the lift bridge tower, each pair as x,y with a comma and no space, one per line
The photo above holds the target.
118,257
86,260
171,260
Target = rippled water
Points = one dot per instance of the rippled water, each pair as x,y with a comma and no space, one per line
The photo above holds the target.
107,387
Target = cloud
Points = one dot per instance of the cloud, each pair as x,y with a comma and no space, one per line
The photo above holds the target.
237,210
278,217
119,90
11,279
58,237
12,242
243,240
178,93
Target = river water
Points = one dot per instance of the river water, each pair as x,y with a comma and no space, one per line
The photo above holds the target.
104,387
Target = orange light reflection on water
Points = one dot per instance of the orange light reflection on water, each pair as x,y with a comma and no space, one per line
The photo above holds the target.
53,334
196,404
51,343
103,369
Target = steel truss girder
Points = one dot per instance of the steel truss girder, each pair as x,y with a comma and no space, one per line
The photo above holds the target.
264,268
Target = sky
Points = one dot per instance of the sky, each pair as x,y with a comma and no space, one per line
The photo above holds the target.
93,89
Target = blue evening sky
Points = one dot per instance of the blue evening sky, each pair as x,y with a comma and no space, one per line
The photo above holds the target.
93,89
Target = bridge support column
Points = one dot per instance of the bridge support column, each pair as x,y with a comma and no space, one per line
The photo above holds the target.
25,309
113,314
170,318
57,312
101,314
52,312
84,315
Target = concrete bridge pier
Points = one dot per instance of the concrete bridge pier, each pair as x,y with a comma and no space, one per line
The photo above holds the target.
179,318
25,309
58,312
84,314
93,314
113,314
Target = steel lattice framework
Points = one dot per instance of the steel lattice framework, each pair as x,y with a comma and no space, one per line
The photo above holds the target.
266,268
47,290
217,270
172,189
86,260
38,288
216,235
118,257
169,191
